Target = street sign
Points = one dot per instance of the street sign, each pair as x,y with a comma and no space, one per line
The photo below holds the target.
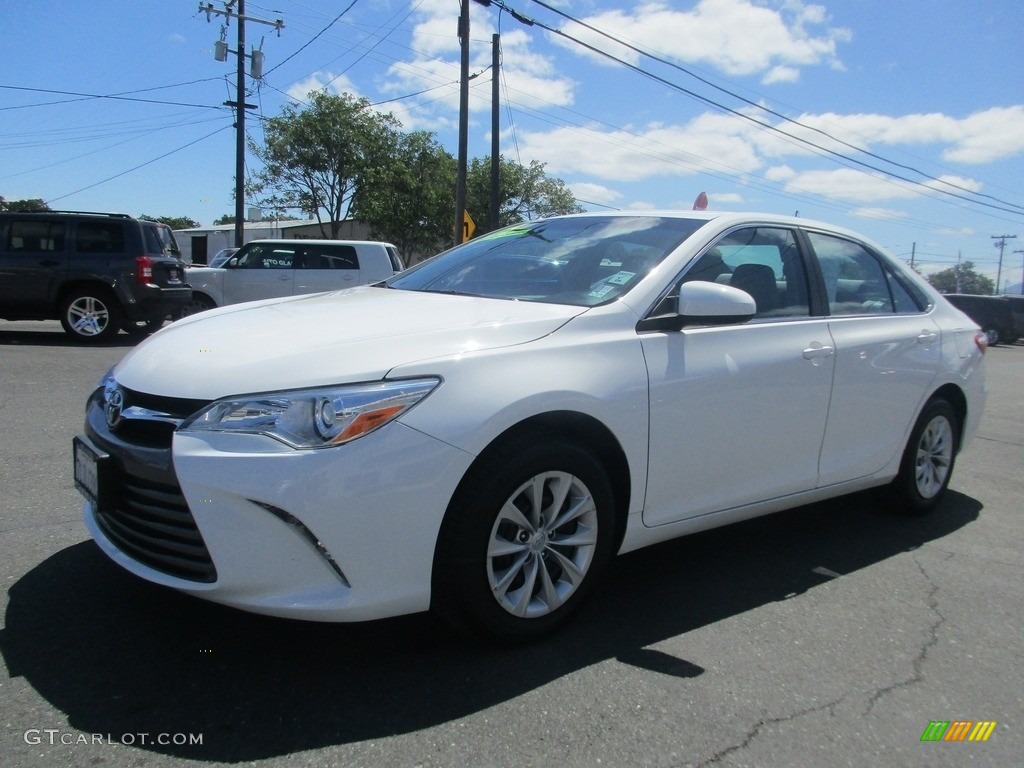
468,226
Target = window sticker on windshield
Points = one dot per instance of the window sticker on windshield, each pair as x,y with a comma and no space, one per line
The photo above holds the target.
503,233
601,291
621,278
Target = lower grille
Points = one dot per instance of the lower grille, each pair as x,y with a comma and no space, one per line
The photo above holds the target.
151,522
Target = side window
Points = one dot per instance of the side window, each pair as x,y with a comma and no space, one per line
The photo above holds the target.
856,281
328,257
763,261
35,236
268,257
100,237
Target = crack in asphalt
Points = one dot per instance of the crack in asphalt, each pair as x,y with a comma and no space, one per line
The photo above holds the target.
922,654
763,723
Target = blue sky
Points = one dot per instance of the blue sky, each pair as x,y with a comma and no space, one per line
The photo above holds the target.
933,90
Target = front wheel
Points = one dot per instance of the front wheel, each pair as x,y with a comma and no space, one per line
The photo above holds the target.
993,336
524,539
928,460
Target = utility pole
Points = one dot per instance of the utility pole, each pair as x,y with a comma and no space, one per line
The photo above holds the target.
460,179
495,128
221,51
1001,245
913,251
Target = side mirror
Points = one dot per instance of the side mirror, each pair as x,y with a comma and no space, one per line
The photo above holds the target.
702,303
231,263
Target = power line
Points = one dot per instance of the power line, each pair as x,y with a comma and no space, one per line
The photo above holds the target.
105,96
140,165
768,110
1015,209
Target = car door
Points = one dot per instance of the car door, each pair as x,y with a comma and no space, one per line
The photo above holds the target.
33,259
326,267
263,271
888,352
737,412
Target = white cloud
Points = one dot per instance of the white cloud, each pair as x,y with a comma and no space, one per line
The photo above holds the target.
319,81
848,184
879,213
724,198
738,37
594,193
632,155
176,38
990,135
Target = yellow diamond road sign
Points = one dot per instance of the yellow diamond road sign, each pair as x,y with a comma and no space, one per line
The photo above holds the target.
468,225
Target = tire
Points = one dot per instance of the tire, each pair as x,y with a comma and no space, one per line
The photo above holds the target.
90,314
928,461
510,564
993,336
199,303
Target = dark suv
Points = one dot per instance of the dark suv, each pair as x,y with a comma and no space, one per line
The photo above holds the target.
993,313
95,272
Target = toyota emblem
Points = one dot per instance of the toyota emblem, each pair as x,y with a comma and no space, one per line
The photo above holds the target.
114,406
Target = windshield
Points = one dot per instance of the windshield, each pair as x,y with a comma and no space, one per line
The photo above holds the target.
585,260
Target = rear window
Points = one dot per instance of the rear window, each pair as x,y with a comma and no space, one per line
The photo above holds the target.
100,237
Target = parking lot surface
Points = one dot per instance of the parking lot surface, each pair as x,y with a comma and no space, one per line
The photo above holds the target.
834,634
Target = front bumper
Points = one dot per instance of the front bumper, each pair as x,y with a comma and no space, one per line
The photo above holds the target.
339,534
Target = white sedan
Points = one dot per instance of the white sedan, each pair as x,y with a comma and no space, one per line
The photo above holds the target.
483,432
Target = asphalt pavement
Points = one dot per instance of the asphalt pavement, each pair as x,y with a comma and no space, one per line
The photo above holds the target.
830,635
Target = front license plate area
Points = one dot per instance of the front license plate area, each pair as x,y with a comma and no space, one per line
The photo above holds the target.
93,474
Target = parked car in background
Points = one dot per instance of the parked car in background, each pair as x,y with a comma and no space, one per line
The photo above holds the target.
265,269
993,313
95,272
1017,309
481,433
221,256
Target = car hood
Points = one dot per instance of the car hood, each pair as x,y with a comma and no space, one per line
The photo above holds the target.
328,338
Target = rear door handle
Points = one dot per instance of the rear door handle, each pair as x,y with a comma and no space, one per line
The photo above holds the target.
926,337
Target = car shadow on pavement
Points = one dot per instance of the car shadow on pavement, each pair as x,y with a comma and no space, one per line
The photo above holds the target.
45,338
118,655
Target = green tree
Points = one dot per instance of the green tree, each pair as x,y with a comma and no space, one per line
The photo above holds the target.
315,157
32,204
962,278
174,222
525,192
410,200
227,218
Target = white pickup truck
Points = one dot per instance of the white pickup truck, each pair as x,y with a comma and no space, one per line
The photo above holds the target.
266,269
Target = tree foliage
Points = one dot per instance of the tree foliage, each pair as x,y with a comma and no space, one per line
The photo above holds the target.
174,222
525,192
315,157
962,278
22,206
409,200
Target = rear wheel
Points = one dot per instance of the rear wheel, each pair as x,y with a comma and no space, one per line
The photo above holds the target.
198,303
90,314
524,539
927,461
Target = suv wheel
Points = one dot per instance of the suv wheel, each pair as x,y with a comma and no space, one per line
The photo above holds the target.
90,314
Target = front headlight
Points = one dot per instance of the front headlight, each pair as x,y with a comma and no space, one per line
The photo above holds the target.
313,418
